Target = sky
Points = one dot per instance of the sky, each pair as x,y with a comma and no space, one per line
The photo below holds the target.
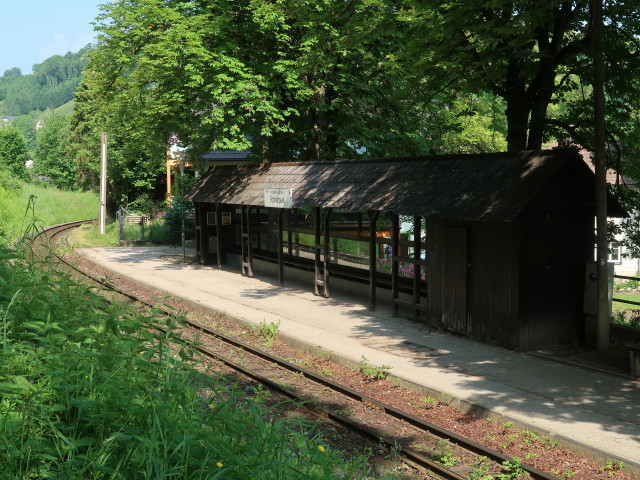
34,30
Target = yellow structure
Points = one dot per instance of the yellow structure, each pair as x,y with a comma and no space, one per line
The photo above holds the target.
174,159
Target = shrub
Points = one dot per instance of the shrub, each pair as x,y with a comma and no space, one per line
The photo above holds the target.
145,205
173,221
404,269
88,391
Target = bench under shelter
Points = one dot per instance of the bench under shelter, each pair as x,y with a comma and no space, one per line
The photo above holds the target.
491,246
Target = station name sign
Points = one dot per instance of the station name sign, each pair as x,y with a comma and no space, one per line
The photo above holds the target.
278,197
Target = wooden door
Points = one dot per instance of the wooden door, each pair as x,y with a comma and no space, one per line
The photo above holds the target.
454,263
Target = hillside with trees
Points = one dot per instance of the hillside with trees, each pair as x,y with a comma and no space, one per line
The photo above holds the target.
52,84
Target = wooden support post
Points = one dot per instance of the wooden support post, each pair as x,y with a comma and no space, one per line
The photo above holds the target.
373,257
602,253
249,244
395,243
258,227
289,236
280,248
417,230
219,253
327,251
202,244
316,248
245,229
198,217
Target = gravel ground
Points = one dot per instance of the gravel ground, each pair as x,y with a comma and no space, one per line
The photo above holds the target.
532,449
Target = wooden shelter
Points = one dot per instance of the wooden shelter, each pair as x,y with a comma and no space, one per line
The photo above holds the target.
497,250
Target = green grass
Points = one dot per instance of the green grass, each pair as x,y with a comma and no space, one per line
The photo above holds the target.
90,236
55,206
352,247
88,392
50,207
617,306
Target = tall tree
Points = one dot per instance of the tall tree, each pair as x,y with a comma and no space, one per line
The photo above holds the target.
52,155
26,124
135,161
13,151
530,54
295,80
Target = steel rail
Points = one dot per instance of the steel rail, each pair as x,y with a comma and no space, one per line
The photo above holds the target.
408,455
414,421
414,458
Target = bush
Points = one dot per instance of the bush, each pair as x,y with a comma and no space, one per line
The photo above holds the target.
7,180
173,221
145,205
622,285
404,269
88,391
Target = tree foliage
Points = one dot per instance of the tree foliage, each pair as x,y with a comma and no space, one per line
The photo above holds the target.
53,158
26,125
13,151
136,164
303,80
293,80
52,84
532,55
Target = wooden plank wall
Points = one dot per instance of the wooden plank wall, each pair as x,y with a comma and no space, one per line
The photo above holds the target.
493,302
473,281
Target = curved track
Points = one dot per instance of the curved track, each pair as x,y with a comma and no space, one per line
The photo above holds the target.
212,344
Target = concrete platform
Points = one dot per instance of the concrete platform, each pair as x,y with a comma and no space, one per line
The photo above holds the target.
587,411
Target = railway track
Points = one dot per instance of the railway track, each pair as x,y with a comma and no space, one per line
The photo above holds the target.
423,445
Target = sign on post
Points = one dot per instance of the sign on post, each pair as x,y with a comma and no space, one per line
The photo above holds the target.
278,197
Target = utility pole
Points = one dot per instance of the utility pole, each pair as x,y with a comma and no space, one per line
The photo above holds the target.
602,249
103,184
184,253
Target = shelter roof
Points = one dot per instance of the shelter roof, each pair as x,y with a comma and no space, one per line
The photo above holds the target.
493,187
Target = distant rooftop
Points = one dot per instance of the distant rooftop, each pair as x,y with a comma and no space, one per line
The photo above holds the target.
228,157
613,177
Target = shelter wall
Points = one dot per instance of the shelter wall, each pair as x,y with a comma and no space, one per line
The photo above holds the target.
208,219
473,281
557,239
493,303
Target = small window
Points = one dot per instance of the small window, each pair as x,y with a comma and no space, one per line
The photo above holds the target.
226,218
211,218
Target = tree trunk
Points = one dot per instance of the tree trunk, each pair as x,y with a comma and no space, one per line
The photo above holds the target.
517,114
602,254
314,136
539,113
518,107
543,85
